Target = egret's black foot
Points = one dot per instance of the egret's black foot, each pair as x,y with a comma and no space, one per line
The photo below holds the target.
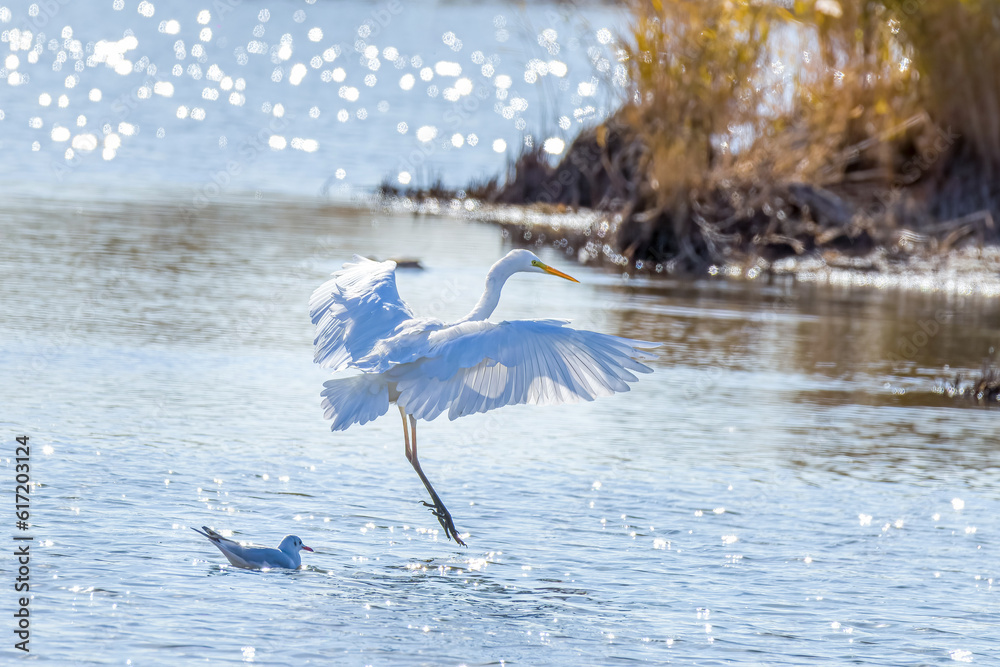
444,518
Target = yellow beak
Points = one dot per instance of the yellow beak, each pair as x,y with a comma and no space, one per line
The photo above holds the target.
556,272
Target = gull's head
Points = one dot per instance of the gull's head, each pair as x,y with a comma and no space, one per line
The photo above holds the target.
527,261
292,545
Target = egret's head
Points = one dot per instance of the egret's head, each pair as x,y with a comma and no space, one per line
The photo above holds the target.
525,260
292,545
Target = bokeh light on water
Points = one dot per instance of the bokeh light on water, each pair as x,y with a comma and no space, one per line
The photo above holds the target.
280,98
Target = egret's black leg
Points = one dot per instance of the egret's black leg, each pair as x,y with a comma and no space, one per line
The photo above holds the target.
437,509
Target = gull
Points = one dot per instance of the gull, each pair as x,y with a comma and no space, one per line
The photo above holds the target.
254,557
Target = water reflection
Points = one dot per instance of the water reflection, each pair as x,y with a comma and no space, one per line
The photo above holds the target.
157,268
871,337
295,98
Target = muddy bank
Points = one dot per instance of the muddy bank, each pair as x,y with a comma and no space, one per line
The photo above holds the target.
880,144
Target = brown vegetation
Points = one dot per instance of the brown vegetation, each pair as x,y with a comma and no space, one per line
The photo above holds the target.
984,389
754,131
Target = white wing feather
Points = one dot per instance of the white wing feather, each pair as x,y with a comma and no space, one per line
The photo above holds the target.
354,310
479,366
354,400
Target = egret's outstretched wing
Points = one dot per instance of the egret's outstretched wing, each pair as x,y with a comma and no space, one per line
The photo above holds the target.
354,310
479,366
355,400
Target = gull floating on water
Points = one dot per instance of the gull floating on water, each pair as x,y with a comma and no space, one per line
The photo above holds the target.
258,558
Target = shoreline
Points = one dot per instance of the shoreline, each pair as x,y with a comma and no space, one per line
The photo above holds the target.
587,236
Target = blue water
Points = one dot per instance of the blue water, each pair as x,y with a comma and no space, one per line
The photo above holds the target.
230,150
761,498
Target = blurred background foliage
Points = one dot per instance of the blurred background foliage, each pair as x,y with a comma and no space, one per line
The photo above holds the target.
892,107
763,130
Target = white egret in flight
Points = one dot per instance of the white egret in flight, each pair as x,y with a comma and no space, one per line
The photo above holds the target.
426,366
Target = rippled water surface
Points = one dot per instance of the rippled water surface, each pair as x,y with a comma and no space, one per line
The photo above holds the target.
302,97
785,488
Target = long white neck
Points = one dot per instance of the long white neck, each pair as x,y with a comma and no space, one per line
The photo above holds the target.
495,279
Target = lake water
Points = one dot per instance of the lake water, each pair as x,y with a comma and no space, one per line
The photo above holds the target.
786,488
781,490
292,97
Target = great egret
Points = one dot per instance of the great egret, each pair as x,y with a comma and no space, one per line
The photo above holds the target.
426,366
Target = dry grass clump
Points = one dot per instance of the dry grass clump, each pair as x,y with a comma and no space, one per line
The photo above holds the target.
985,388
485,190
757,130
